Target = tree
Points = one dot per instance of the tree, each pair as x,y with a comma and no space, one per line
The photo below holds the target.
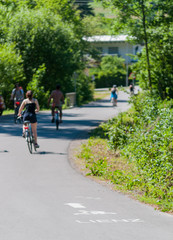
11,70
151,23
132,14
84,8
110,71
41,38
97,25
45,33
35,86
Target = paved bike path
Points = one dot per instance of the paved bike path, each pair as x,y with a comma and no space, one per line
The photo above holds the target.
44,198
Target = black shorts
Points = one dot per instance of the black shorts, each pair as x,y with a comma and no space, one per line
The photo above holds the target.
30,117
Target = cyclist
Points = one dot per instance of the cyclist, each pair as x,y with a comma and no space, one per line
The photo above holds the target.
31,106
58,100
114,95
2,104
17,94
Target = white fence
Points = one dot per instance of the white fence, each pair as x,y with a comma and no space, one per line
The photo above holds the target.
71,99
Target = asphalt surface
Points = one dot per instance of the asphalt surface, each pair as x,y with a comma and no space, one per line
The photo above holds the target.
43,198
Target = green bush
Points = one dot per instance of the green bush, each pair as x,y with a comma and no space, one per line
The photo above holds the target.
111,71
11,70
145,137
84,88
36,87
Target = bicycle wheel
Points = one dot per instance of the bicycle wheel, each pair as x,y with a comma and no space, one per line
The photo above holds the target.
29,142
57,124
57,120
15,115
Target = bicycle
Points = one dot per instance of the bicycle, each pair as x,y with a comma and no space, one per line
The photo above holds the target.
16,110
57,119
29,136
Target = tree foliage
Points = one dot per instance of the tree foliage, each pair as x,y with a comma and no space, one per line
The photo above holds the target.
97,25
150,23
110,71
42,38
11,69
144,135
45,33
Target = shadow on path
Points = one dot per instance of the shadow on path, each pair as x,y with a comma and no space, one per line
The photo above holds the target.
47,153
67,130
74,123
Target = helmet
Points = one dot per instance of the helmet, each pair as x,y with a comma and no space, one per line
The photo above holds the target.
114,86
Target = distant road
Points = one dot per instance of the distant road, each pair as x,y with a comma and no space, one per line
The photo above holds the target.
44,198
101,89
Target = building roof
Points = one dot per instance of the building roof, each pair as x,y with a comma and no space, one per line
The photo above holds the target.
107,38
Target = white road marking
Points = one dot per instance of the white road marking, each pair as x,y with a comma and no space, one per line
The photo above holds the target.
75,205
84,212
110,221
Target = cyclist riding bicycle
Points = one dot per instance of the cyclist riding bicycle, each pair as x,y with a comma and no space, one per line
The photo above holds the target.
31,106
58,100
2,104
17,94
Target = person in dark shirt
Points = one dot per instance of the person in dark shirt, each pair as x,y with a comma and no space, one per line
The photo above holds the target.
131,88
31,106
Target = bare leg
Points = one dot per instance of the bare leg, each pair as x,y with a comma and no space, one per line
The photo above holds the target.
53,112
34,130
60,114
23,128
114,102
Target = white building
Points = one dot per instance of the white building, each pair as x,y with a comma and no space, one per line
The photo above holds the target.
115,45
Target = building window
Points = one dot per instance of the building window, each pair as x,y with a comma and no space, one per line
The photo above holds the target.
113,50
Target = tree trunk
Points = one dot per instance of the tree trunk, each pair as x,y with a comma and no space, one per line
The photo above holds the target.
146,45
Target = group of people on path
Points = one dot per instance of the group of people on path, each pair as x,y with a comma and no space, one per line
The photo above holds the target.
114,93
31,106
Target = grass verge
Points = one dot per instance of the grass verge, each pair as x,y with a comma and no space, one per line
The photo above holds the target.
95,159
98,95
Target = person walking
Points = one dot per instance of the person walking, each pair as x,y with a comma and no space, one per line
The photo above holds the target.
58,100
131,88
31,106
114,95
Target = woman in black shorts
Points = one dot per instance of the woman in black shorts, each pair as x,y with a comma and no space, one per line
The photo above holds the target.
31,107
